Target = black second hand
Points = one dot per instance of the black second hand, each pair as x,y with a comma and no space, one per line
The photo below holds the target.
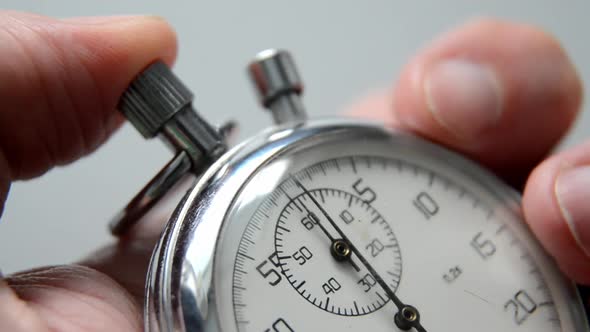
315,218
398,303
311,214
317,221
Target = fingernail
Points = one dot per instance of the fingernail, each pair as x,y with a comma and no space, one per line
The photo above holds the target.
572,189
463,96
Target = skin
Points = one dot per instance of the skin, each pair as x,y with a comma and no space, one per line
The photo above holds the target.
61,80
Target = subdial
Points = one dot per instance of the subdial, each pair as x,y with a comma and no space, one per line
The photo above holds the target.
316,261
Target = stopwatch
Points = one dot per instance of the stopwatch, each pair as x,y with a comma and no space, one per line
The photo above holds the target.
332,225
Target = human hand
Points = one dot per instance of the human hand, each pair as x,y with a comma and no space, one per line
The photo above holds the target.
503,93
59,87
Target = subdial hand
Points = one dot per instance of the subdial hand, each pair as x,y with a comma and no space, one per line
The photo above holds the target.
338,250
407,316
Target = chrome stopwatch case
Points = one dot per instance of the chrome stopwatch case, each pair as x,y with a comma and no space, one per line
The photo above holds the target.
333,225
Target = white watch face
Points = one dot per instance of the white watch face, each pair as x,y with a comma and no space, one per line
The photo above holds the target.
342,234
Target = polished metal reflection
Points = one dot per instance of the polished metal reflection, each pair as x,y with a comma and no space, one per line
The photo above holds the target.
181,286
170,175
188,132
278,85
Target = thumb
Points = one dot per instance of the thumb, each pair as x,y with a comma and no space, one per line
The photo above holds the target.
501,93
61,80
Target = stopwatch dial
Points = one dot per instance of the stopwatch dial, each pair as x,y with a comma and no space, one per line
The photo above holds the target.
466,266
318,263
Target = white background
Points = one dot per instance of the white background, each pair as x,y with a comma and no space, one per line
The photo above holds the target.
344,49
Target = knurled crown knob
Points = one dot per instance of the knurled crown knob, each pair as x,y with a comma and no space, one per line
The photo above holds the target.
275,78
158,103
153,98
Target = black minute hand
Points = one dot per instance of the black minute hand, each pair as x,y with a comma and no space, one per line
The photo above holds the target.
407,316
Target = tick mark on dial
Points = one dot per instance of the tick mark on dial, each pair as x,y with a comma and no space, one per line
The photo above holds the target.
353,165
300,285
243,254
